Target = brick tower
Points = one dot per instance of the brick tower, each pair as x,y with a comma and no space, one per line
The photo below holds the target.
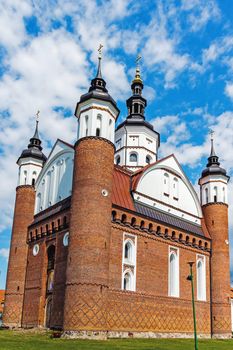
213,183
30,164
90,223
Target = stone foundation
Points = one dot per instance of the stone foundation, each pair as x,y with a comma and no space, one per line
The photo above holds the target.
104,335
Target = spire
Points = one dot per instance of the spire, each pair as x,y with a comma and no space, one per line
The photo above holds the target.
34,149
99,74
136,103
35,140
213,159
137,78
213,165
98,83
98,89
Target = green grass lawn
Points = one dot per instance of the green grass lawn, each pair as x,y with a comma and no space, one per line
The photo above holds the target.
10,340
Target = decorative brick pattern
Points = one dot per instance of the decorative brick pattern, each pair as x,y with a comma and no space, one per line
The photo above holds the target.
23,216
216,218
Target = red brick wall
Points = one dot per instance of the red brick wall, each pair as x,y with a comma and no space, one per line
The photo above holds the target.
216,218
90,227
35,286
23,216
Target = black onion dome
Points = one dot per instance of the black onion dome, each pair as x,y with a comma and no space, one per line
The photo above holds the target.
213,165
136,105
98,90
34,149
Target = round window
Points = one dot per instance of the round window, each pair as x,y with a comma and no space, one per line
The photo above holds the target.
104,193
36,249
66,239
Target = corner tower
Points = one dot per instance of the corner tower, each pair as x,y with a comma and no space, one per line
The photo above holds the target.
30,164
91,203
213,186
136,140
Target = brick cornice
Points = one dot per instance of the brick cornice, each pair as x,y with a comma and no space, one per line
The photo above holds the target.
25,186
96,138
160,237
215,203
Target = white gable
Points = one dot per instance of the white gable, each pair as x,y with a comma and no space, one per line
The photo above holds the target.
166,187
55,180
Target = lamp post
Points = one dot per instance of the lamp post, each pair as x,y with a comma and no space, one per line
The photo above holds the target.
190,278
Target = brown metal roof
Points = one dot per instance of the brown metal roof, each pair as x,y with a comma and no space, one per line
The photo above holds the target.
121,188
169,219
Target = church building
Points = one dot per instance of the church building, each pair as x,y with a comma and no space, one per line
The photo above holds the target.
104,231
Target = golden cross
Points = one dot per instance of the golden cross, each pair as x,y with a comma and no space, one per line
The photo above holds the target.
100,50
37,115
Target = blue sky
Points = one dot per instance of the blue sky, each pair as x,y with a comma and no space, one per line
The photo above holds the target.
48,54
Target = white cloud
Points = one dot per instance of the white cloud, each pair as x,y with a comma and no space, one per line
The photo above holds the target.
4,252
200,12
217,48
229,90
165,123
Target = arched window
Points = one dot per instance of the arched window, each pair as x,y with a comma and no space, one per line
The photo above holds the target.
215,194
110,129
175,188
135,107
148,159
166,183
127,283
206,195
86,125
173,273
33,178
118,160
51,257
25,177
99,126
133,157
223,195
201,279
38,202
129,252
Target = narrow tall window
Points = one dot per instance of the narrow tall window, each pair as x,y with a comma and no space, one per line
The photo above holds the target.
128,251
98,125
118,160
215,194
25,177
133,157
223,195
206,195
166,183
129,262
86,125
127,284
173,288
110,129
201,278
175,188
148,159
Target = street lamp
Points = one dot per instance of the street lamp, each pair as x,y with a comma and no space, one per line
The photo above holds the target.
190,278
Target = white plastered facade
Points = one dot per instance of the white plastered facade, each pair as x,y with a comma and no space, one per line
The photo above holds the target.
164,186
139,140
94,115
55,180
214,185
29,170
